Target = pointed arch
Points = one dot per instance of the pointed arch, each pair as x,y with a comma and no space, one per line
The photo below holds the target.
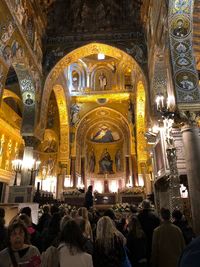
87,50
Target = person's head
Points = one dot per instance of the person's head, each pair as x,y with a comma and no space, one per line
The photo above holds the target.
26,210
2,215
110,213
82,223
134,226
25,219
46,209
105,231
83,212
90,188
179,22
74,213
146,205
177,215
185,77
17,235
133,209
165,214
2,212
54,209
54,224
72,236
64,220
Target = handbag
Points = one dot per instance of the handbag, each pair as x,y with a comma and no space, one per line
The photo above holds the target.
126,262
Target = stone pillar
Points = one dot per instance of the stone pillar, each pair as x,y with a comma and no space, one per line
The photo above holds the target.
127,169
30,143
191,142
73,171
27,158
134,170
83,171
60,180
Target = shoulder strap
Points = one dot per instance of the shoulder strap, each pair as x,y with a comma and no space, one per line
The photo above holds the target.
12,257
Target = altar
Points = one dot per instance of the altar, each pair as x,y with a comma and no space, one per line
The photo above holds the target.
106,199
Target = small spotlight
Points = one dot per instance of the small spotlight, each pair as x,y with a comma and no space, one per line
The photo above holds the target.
100,56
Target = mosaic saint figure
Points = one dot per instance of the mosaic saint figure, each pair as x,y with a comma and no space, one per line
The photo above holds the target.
118,160
102,81
92,162
105,163
180,30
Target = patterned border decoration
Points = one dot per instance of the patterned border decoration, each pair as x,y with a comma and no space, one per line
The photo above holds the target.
184,67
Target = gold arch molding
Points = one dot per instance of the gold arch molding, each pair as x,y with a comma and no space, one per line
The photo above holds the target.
84,51
64,124
141,123
85,120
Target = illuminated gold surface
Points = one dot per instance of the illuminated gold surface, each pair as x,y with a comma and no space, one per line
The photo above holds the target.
64,125
140,122
110,97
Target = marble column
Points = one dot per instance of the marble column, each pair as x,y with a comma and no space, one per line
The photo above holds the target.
83,171
27,158
134,170
191,142
73,171
60,181
127,169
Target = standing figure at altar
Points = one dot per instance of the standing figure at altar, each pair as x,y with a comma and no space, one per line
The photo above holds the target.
89,198
105,163
92,162
118,160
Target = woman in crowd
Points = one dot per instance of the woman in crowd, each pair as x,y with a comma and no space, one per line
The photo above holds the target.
3,230
51,235
71,248
33,233
136,243
83,212
19,251
108,251
88,244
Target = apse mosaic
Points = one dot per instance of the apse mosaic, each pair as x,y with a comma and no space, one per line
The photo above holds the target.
184,67
104,135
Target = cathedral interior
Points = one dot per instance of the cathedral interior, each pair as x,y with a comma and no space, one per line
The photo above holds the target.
103,93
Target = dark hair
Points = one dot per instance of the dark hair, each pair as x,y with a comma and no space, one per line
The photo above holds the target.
15,225
177,215
81,223
135,227
133,208
110,213
2,212
90,188
26,210
54,224
165,214
72,236
54,209
46,209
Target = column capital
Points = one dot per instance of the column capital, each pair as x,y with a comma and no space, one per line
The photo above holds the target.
188,118
31,141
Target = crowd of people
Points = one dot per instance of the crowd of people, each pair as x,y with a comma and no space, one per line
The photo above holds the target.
85,237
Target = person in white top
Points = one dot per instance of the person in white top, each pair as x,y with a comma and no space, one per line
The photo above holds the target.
71,248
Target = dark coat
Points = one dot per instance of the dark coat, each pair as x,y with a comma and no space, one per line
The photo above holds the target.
167,246
191,254
88,199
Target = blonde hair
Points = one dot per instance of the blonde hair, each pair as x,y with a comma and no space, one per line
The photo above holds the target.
105,233
135,227
83,212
